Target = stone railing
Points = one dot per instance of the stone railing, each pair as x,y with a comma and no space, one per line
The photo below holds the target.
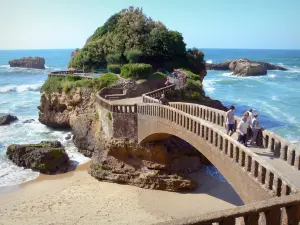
268,177
67,72
150,97
275,211
115,108
276,144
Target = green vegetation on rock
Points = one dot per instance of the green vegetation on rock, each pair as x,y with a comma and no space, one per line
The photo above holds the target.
136,71
129,36
157,75
68,83
114,68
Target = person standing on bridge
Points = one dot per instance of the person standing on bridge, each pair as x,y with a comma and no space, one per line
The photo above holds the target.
255,128
163,100
249,130
242,129
230,120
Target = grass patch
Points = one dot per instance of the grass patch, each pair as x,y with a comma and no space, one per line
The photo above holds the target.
66,84
157,75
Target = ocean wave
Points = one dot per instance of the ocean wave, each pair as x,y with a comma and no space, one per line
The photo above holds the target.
4,66
272,75
209,61
20,88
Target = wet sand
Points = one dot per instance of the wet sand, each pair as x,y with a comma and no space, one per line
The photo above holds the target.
78,198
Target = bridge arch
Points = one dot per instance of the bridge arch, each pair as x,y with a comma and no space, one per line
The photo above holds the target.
241,167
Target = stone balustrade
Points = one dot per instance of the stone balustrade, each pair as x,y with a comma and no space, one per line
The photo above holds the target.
266,175
115,108
68,72
275,211
276,144
194,118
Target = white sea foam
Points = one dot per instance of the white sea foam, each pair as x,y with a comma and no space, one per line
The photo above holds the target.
34,132
209,61
20,88
272,75
4,66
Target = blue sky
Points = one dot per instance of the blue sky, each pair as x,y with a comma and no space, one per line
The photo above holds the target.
53,24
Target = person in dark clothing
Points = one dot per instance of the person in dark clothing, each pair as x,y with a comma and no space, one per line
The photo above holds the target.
163,100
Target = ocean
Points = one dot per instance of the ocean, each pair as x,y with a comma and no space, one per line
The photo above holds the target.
275,97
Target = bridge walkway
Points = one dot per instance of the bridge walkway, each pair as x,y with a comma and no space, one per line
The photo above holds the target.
281,167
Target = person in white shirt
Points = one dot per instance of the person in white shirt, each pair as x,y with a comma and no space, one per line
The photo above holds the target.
229,120
255,125
242,129
249,130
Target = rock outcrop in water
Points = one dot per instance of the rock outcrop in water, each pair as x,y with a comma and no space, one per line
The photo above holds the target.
159,165
245,67
7,119
28,62
46,157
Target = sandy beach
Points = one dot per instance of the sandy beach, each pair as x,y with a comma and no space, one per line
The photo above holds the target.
78,198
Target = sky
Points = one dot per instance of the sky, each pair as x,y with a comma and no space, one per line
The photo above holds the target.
66,24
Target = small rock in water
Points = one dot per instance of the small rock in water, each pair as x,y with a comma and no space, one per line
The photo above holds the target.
28,121
47,157
68,137
7,119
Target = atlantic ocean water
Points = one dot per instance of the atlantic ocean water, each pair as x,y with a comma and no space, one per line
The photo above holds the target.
276,97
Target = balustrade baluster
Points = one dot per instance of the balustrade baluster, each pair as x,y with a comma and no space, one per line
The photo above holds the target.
291,156
261,174
269,180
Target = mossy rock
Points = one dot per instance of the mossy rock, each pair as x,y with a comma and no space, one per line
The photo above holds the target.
46,157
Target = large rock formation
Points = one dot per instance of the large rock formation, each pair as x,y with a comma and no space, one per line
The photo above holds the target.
7,119
28,62
160,165
244,67
46,157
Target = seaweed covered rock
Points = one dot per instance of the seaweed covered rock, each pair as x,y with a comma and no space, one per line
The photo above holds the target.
46,157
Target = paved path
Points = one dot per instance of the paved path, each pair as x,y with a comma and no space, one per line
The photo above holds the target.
281,166
127,101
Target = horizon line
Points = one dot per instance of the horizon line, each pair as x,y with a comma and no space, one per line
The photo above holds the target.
30,49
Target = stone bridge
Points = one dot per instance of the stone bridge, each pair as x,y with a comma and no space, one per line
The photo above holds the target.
257,174
266,178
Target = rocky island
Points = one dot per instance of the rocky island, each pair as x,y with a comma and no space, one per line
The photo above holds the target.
28,62
245,67
73,102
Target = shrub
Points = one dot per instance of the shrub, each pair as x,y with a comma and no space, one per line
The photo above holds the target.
133,56
53,84
63,84
191,75
73,77
157,75
114,68
114,58
107,79
136,71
